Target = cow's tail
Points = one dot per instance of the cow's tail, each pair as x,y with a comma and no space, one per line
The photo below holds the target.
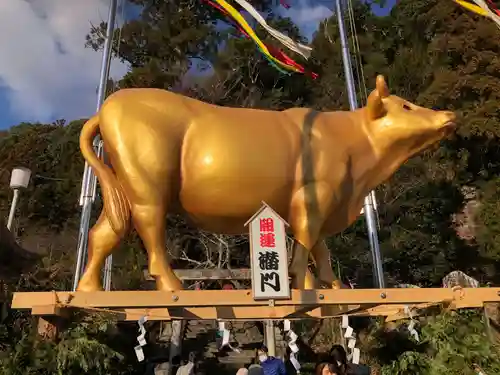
116,204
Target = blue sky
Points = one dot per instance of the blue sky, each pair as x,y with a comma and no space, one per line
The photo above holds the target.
46,73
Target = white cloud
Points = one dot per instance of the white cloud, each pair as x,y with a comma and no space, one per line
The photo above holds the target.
307,14
44,65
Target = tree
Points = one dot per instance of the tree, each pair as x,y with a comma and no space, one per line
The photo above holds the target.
13,258
450,343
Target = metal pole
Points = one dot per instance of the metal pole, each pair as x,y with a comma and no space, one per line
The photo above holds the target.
13,206
89,183
370,198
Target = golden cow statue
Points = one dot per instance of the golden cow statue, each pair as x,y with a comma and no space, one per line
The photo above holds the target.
215,165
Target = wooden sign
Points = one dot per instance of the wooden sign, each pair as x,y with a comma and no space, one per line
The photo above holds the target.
268,255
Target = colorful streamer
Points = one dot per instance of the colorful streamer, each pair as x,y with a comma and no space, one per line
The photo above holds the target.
284,39
276,57
493,7
483,8
245,26
284,4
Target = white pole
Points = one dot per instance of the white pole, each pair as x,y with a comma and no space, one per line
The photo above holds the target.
89,182
19,179
13,206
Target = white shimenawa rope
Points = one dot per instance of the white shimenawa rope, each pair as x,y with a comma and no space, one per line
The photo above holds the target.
354,353
226,334
301,49
292,344
141,338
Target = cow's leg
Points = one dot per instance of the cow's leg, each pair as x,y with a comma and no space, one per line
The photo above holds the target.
145,154
310,280
102,241
150,194
150,223
326,275
309,207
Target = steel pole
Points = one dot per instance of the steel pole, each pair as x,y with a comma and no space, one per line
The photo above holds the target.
369,202
89,181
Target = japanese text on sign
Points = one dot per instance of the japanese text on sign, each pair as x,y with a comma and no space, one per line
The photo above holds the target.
269,256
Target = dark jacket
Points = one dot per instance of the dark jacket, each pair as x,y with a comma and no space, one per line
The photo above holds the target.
273,366
358,369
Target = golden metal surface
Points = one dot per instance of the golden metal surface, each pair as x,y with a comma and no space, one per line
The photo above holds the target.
215,165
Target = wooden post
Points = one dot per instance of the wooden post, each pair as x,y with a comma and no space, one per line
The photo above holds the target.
48,327
270,336
487,325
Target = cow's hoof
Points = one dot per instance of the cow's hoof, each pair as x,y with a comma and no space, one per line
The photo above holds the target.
337,284
89,284
168,284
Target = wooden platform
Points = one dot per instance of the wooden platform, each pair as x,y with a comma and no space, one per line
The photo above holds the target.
239,304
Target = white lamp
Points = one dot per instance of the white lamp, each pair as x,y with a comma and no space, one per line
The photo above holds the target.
19,179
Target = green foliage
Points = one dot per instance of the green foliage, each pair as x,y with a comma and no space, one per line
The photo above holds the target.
52,154
87,345
88,342
450,343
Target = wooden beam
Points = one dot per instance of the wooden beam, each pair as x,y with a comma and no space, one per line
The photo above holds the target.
459,297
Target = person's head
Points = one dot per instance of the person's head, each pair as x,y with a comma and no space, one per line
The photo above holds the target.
242,371
327,368
192,357
262,353
255,370
339,356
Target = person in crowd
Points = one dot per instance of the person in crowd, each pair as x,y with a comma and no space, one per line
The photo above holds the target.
176,362
255,369
339,356
328,367
190,367
270,365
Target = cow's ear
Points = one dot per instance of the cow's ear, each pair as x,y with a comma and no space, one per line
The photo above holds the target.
381,86
374,106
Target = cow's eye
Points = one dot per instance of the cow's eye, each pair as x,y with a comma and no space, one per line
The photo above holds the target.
406,107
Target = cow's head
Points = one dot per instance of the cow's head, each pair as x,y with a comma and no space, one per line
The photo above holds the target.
396,125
